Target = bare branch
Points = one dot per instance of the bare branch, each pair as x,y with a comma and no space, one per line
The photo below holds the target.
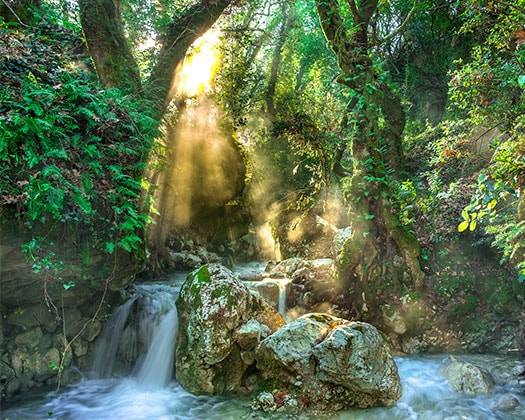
403,25
15,15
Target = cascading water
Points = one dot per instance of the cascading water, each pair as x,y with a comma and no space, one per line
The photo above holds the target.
108,343
281,284
147,324
157,367
266,285
153,331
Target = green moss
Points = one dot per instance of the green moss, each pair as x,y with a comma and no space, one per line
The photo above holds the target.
196,279
224,291
257,302
467,309
221,291
324,318
201,275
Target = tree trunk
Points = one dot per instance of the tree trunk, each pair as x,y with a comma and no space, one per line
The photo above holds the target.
107,44
116,67
380,257
286,23
181,33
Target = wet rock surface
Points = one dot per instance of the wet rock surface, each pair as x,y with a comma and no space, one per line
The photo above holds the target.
37,310
468,378
220,323
327,363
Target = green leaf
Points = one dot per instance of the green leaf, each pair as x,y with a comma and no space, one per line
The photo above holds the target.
521,278
110,247
82,202
68,285
521,81
473,225
129,242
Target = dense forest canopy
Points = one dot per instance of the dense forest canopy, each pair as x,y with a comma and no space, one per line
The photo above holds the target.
385,99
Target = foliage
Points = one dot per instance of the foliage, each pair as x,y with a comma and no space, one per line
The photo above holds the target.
489,89
145,22
71,152
420,60
72,158
299,137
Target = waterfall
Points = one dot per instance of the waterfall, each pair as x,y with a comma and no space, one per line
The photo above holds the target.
108,342
157,368
143,332
281,284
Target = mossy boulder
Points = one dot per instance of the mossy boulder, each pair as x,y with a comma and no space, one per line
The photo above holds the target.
329,364
216,337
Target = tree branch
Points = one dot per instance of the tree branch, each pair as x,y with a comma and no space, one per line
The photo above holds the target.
353,9
182,32
403,25
15,15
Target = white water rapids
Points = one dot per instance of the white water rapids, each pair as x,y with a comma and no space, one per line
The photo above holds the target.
150,392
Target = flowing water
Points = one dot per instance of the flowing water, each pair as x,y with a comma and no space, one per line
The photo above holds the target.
264,285
143,331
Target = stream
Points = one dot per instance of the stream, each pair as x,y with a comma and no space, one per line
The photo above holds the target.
142,387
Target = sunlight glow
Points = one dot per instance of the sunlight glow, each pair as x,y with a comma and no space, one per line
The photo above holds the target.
199,65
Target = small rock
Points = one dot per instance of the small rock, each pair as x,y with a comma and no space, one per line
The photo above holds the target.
506,402
467,378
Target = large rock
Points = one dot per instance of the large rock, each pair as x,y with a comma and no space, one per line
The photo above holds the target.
328,363
220,324
467,378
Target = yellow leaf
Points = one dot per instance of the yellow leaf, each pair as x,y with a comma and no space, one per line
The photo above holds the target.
473,225
463,226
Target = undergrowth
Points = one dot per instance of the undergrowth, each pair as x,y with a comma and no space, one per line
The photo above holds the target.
70,151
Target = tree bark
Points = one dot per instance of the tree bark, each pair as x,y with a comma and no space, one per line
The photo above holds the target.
380,256
286,23
104,32
182,32
116,67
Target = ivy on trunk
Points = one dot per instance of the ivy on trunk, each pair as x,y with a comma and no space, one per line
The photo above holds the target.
380,255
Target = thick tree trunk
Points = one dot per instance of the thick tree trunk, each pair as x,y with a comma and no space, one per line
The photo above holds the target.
107,44
181,33
380,256
116,67
113,58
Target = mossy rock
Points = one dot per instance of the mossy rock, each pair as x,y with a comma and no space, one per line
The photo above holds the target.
213,307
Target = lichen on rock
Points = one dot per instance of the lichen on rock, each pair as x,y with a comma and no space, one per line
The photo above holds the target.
467,378
329,363
220,323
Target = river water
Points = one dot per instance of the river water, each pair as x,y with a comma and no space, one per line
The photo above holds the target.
148,392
